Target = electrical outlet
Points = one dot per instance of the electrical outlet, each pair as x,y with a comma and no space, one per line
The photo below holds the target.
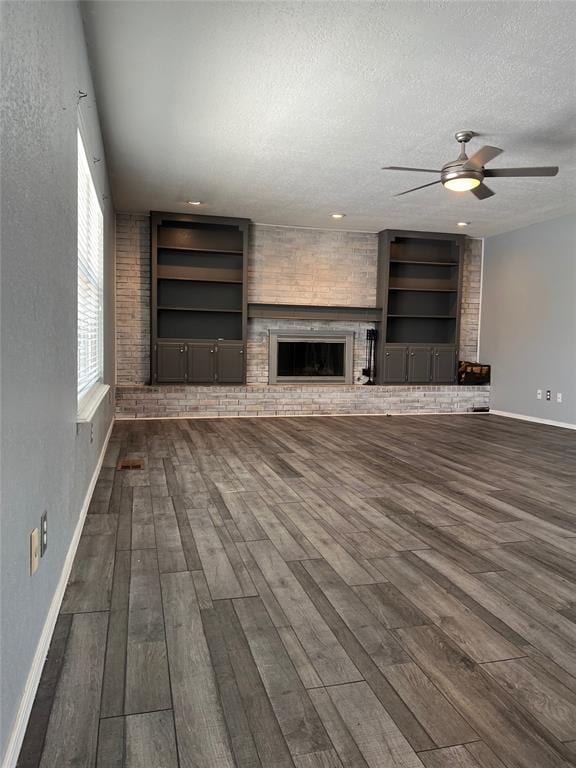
539,394
558,397
548,394
34,551
91,433
43,534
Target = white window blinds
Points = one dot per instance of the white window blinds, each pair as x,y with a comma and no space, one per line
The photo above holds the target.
90,278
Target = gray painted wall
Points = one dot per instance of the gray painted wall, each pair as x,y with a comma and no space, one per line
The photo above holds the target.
528,328
45,464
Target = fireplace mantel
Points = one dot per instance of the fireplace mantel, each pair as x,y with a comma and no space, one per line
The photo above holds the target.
314,312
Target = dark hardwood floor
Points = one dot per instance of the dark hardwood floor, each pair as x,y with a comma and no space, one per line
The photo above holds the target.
362,592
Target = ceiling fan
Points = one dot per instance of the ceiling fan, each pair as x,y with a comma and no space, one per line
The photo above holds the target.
467,174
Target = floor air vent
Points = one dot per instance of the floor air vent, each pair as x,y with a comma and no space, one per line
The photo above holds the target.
131,464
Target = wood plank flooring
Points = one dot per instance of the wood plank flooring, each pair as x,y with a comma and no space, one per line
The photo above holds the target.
361,592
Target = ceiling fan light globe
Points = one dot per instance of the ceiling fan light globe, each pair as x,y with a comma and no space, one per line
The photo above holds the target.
463,184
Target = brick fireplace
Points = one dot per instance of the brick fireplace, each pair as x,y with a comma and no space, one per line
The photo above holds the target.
287,266
261,330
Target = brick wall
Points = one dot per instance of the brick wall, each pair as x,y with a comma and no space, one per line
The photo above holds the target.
470,309
286,265
132,298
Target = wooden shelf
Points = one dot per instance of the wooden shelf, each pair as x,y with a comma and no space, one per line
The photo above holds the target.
433,263
198,250
197,309
200,274
425,290
189,340
426,317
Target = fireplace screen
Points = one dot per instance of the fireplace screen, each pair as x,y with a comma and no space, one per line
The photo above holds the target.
305,356
311,358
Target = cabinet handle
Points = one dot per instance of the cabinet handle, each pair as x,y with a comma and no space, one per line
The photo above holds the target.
211,350
241,351
411,354
181,349
387,354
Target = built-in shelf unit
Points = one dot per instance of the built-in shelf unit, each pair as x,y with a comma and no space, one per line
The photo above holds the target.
198,298
419,287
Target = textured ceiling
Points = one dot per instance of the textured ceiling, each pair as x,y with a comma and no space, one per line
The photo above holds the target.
285,112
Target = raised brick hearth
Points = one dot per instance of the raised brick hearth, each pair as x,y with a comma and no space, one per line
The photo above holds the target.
293,400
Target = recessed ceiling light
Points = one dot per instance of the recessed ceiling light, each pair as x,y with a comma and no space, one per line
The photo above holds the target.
462,223
338,215
194,202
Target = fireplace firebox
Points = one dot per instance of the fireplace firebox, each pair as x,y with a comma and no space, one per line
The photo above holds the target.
309,356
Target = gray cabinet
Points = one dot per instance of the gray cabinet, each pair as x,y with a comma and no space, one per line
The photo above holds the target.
395,365
200,364
171,362
229,363
419,364
444,365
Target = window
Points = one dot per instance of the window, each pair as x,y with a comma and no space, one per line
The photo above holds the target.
90,279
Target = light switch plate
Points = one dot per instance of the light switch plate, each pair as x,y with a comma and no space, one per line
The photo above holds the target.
558,397
539,394
34,551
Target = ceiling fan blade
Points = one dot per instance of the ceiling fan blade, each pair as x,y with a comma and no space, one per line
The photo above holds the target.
415,188
482,192
548,170
401,168
480,158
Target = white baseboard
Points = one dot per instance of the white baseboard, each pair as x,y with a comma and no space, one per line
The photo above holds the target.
27,700
535,419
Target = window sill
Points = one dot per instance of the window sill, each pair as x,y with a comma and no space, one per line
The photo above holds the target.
88,405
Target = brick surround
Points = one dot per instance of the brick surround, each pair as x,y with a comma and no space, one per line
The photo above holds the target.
294,400
286,265
257,346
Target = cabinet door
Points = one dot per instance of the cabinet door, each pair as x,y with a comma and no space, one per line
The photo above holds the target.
420,365
201,362
444,365
395,365
171,362
230,363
